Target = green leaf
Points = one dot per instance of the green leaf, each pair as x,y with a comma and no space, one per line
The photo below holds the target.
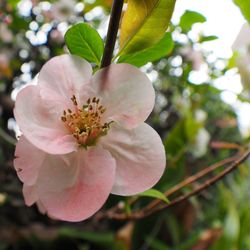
207,38
3,246
243,98
90,5
84,41
156,244
144,24
154,194
189,18
176,140
191,128
232,62
127,208
244,7
163,48
232,225
18,23
182,134
13,3
102,239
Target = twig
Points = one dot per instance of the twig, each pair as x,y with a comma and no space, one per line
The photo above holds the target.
192,179
179,186
202,187
225,145
112,32
153,208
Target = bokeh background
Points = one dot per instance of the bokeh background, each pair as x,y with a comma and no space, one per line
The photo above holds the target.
202,114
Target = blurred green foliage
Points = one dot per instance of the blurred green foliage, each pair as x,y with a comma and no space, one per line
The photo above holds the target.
244,7
188,116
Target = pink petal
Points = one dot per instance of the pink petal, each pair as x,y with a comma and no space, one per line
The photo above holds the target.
41,126
30,194
140,158
41,207
28,161
62,76
73,189
127,93
242,40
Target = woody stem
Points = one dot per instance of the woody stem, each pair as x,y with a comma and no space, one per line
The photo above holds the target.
112,32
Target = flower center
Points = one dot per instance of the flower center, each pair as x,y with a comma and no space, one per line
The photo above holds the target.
85,123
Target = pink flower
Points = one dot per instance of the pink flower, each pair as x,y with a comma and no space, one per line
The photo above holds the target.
63,10
194,56
5,33
242,40
84,137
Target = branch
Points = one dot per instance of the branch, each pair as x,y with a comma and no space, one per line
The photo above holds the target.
179,186
191,180
112,32
157,206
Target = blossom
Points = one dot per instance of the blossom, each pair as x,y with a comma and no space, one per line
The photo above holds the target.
192,55
5,58
243,65
84,137
200,144
5,34
63,10
241,45
242,40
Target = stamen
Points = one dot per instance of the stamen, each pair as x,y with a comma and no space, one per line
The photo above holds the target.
85,123
73,99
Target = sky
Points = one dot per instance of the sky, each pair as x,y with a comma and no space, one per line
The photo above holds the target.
224,20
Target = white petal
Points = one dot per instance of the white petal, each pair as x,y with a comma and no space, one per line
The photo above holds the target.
140,158
73,189
126,93
62,76
41,127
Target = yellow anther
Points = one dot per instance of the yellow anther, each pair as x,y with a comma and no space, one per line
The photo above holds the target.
85,123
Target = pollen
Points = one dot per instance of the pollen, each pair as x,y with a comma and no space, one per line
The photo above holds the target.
85,123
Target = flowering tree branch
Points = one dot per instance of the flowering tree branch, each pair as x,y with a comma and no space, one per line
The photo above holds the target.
157,205
112,32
